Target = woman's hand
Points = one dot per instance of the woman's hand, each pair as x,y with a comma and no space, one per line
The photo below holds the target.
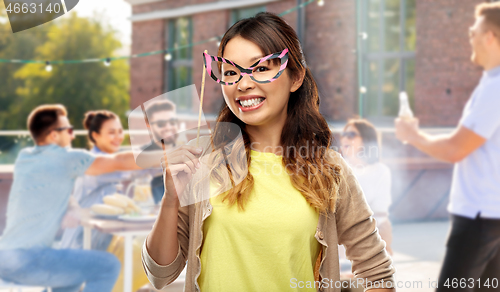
178,169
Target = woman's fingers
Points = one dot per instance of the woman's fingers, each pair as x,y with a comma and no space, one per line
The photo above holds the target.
184,154
176,169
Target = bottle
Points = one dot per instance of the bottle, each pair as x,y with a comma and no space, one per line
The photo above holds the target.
405,112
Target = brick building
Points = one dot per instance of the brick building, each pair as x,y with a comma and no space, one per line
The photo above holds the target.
362,53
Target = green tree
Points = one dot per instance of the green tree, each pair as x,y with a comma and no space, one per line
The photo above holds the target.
21,45
80,87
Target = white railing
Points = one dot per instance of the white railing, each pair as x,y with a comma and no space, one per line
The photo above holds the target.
7,156
336,128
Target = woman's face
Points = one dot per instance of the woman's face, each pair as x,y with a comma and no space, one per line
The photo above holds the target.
273,96
110,137
351,142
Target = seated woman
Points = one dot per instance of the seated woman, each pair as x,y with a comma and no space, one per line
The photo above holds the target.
105,135
361,148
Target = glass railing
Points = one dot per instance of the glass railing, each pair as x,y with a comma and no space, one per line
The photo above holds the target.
12,142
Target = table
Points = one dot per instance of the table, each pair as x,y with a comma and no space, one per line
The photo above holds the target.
120,228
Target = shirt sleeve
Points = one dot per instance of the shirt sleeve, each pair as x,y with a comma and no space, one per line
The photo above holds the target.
356,230
481,114
78,161
162,275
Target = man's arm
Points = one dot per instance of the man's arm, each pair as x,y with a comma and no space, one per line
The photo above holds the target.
109,163
450,148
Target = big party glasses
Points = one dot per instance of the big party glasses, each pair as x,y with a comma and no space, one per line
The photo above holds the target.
265,70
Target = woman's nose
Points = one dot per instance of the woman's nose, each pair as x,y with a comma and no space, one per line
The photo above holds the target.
246,83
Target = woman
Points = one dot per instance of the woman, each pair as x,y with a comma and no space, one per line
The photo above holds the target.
361,148
105,136
276,229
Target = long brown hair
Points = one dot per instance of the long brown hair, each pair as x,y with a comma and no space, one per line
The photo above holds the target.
305,128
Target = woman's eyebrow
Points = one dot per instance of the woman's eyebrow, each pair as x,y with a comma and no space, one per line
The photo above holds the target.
256,58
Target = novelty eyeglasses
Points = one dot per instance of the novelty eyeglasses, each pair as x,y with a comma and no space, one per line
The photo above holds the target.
265,70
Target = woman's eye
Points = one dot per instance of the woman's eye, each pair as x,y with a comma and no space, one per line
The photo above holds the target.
229,73
261,69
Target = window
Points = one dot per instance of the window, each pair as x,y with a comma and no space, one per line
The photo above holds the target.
179,68
238,14
387,55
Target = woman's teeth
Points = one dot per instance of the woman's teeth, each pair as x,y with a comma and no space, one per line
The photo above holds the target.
251,102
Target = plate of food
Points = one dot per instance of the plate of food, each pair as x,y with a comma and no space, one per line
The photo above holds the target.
114,206
137,217
103,216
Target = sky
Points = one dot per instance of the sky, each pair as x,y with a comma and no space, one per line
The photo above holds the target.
116,12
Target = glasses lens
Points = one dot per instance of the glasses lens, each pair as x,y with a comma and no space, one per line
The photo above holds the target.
225,72
266,70
70,131
349,135
161,123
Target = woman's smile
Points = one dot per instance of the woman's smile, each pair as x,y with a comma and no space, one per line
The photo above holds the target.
250,102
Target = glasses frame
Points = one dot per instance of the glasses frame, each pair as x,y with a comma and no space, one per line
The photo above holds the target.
69,128
349,135
283,56
172,122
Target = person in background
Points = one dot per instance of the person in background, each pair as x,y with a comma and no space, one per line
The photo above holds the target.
163,123
44,177
360,146
105,136
473,246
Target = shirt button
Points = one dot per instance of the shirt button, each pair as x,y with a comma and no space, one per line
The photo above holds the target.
320,235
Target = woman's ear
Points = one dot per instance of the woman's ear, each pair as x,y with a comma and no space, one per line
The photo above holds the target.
95,136
298,80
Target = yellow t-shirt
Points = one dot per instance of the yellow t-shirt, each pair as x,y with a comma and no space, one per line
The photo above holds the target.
268,247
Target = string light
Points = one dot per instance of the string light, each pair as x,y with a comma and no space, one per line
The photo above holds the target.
168,56
107,62
362,89
48,66
321,3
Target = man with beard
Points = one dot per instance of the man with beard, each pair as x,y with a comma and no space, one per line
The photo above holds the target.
163,124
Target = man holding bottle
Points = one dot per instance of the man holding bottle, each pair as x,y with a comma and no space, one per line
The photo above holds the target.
473,247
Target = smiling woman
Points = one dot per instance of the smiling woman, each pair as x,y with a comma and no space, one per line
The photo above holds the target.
105,130
285,219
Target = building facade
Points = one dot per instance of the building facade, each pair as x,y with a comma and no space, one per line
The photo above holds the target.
362,53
